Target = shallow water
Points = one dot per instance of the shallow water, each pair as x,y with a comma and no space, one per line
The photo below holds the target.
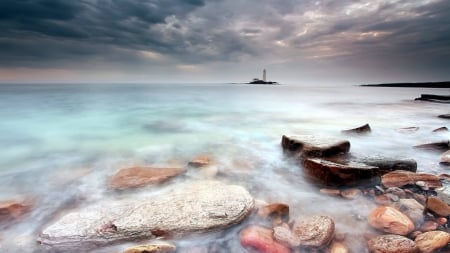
62,142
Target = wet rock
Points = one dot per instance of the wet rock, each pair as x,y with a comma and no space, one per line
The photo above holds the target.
429,242
435,146
429,226
330,192
308,145
285,236
440,129
408,130
140,176
274,211
159,247
187,208
443,193
261,239
396,191
444,116
390,220
413,209
338,247
386,164
314,231
329,173
200,161
11,210
401,178
359,130
445,158
351,193
392,244
438,206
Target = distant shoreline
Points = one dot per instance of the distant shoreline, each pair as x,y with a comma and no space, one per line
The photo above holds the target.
445,84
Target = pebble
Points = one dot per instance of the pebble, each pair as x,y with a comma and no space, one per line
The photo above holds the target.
431,241
438,206
351,193
261,239
274,211
159,247
338,247
392,244
390,220
314,231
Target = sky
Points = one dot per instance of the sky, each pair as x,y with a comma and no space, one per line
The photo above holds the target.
297,41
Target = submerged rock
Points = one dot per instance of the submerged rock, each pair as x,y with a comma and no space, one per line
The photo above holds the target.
444,116
413,209
308,145
261,239
11,210
390,220
140,176
359,130
435,146
334,174
401,178
200,161
431,241
445,158
392,244
274,211
187,208
440,129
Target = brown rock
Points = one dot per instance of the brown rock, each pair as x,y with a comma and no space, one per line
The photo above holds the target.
396,191
11,210
160,247
140,176
438,206
392,244
435,146
431,241
390,220
445,158
200,161
261,239
413,209
329,173
285,236
330,192
359,130
429,226
308,145
401,178
275,210
440,129
386,165
338,247
351,193
315,231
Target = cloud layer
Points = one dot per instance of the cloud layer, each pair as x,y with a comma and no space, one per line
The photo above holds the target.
370,40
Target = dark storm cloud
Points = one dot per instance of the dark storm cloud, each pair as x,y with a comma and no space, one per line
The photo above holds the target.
45,32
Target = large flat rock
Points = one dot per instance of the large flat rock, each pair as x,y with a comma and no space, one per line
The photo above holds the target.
187,208
314,146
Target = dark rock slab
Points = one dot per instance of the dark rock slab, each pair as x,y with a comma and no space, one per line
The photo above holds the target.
359,130
435,146
440,130
183,209
314,146
386,165
330,173
444,116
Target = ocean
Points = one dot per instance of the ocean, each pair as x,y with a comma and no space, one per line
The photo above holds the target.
61,142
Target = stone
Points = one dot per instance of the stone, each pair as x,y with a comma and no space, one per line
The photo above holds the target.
440,129
11,210
390,220
445,158
444,116
338,247
314,231
261,239
311,146
140,176
413,209
352,193
407,130
431,241
159,247
330,192
396,191
401,178
285,236
274,210
386,165
200,161
438,206
435,146
392,244
443,193
328,173
429,226
359,130
187,208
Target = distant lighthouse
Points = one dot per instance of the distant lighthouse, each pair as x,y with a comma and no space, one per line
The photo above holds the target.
264,75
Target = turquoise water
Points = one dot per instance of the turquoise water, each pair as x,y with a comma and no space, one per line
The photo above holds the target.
62,141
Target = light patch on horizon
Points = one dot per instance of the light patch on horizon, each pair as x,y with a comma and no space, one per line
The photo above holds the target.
188,67
151,55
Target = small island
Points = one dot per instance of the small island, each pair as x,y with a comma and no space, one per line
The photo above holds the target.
263,80
445,84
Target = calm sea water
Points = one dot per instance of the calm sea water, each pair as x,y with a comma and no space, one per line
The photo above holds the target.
61,142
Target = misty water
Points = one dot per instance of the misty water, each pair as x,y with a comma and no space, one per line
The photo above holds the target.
61,143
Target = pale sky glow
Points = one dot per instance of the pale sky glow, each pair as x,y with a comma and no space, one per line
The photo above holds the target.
297,41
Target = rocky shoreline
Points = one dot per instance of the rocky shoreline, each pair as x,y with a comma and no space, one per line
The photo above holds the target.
404,210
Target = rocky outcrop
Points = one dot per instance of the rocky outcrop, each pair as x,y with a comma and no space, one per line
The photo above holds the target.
392,244
187,208
140,176
359,130
390,220
311,146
